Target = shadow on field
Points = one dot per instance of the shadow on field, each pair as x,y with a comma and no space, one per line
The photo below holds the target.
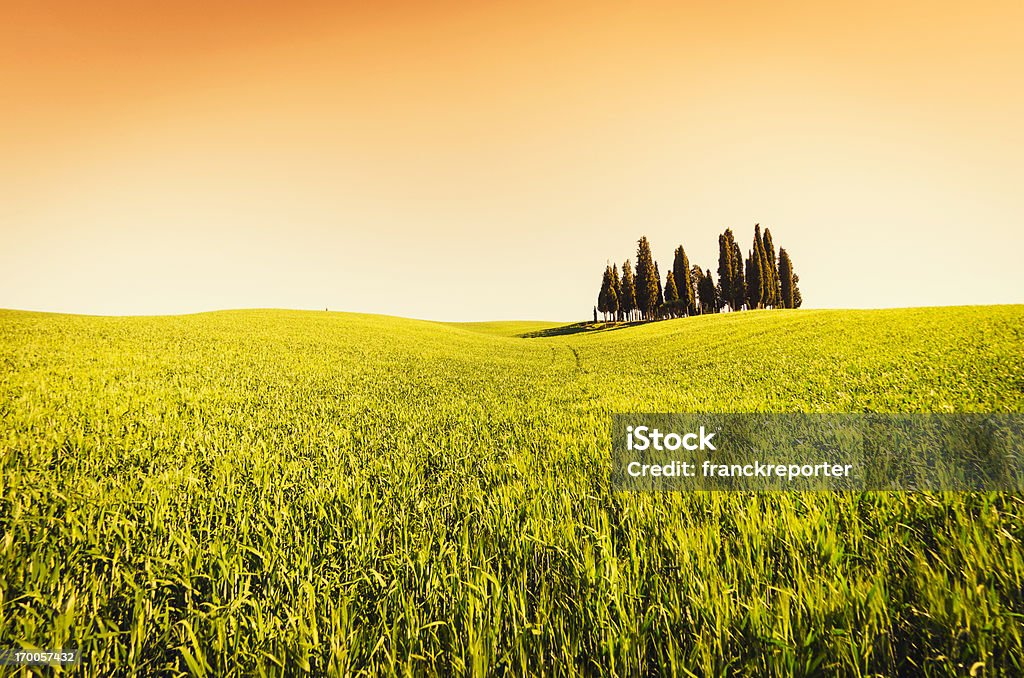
577,328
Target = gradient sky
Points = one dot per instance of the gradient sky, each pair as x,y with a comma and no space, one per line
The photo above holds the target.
464,161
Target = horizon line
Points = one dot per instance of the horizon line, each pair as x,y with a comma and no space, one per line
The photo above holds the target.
490,320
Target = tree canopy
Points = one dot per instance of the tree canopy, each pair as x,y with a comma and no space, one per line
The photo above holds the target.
762,280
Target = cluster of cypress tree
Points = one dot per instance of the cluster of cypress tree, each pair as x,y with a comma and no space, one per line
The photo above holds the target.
762,280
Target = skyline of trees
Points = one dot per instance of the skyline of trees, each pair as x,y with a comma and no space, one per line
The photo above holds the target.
761,280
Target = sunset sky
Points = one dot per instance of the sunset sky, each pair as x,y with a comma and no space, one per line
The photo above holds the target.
465,161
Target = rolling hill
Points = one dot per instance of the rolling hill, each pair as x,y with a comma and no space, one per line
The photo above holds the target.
358,494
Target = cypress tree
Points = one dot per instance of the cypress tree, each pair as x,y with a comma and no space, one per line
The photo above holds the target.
672,301
628,299
608,298
707,293
757,264
602,296
661,290
709,285
732,289
643,293
683,280
671,290
753,286
613,298
696,276
798,300
725,266
739,286
617,286
785,279
646,279
763,272
774,285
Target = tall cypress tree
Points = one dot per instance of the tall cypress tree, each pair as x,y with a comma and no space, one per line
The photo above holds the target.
643,294
608,297
732,289
671,289
602,296
739,286
773,283
707,293
785,279
646,279
757,273
617,286
766,276
696,278
684,283
613,298
753,280
726,266
672,295
628,299
661,289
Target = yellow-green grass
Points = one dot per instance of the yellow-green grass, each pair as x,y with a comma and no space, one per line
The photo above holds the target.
275,492
509,328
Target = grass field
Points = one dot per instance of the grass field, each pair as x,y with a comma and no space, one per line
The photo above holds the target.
277,492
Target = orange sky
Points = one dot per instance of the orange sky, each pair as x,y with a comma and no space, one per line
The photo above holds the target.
458,160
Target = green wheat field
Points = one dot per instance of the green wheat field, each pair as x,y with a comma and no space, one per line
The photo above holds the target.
281,492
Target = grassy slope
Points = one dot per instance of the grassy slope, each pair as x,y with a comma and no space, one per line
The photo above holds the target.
353,491
508,328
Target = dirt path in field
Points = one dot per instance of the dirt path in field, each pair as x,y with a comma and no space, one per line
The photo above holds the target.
579,361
